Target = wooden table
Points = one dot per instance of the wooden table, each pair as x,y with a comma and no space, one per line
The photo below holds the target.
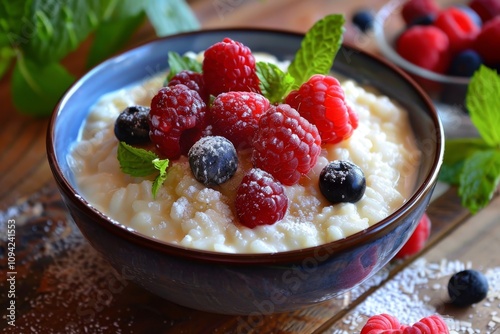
62,286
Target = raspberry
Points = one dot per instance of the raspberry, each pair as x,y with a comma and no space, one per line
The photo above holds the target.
467,287
260,199
414,9
417,239
387,324
425,46
193,80
285,144
213,160
381,323
487,9
176,120
235,115
321,101
459,27
229,66
487,43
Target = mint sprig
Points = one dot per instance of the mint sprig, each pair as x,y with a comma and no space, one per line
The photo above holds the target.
139,162
37,35
274,83
473,164
315,56
318,49
178,63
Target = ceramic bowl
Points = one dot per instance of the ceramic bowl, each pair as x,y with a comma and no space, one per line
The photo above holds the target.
243,283
443,89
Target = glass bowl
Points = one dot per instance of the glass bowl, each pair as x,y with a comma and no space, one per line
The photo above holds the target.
447,92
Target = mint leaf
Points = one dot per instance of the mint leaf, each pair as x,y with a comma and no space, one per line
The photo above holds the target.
135,161
36,89
483,103
6,57
274,83
318,49
160,165
177,63
58,27
13,30
479,179
170,16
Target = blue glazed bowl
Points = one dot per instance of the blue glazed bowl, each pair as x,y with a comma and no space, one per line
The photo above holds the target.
243,283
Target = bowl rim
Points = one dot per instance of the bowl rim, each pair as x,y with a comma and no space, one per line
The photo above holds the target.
275,258
388,50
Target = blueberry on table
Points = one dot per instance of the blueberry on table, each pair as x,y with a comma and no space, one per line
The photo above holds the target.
131,126
363,19
467,287
213,160
342,181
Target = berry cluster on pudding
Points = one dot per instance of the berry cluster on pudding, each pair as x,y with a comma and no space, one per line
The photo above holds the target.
248,153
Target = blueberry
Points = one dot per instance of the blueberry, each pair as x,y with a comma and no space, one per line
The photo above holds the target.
342,181
467,287
213,160
465,63
425,20
363,19
131,126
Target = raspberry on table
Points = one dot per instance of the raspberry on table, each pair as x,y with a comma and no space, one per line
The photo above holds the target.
388,324
425,46
459,27
260,199
487,43
177,120
213,160
131,126
285,144
235,115
229,66
381,323
415,9
321,101
193,80
417,240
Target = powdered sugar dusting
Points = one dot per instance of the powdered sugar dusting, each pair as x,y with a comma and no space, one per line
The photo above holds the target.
420,290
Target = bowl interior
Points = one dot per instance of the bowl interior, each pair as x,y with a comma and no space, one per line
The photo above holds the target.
148,60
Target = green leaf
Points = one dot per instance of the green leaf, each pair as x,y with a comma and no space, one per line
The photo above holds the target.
274,83
6,57
178,63
171,16
111,36
59,27
483,103
161,165
479,179
37,89
135,161
456,152
14,19
318,49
